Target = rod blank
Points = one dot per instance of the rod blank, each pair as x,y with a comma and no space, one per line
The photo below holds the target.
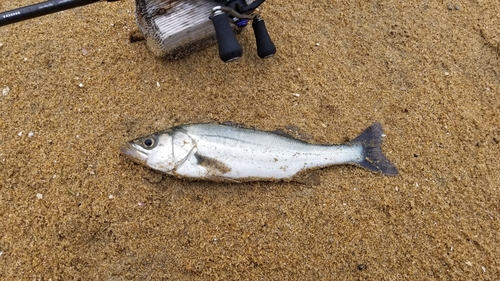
40,9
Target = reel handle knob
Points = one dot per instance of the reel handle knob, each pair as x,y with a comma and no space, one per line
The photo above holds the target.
229,48
265,47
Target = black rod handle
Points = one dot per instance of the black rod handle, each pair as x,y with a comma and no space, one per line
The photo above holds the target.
265,47
229,48
40,9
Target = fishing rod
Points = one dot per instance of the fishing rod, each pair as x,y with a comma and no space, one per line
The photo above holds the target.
41,9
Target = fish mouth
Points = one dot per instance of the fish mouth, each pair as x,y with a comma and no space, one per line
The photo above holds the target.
131,152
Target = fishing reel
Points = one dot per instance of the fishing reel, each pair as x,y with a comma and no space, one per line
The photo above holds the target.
176,28
239,13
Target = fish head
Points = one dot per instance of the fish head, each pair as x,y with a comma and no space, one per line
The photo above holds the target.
154,151
162,151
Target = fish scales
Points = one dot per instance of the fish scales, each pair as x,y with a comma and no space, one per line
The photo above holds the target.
250,153
221,152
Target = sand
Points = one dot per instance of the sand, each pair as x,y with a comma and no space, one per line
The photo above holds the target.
71,207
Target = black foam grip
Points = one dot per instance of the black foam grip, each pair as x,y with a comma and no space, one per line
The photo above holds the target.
265,47
229,48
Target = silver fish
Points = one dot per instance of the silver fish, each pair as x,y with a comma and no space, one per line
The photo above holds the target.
229,153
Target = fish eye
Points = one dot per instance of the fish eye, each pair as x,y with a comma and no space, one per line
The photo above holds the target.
148,143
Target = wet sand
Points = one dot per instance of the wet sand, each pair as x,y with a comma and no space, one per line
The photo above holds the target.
71,207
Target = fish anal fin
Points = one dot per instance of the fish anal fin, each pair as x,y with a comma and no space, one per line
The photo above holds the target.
308,177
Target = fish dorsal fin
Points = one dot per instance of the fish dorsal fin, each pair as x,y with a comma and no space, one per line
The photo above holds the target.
235,125
290,131
182,146
293,132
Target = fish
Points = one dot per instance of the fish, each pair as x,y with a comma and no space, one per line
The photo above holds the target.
228,153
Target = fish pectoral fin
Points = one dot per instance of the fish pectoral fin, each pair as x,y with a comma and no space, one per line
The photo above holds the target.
213,166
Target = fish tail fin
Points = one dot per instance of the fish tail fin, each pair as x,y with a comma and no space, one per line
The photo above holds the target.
374,159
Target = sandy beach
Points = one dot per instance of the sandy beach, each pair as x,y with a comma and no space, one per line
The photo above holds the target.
75,89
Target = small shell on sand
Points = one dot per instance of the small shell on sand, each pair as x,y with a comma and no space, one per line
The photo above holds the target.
5,91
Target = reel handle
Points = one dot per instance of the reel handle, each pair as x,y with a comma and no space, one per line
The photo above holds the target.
265,47
229,48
